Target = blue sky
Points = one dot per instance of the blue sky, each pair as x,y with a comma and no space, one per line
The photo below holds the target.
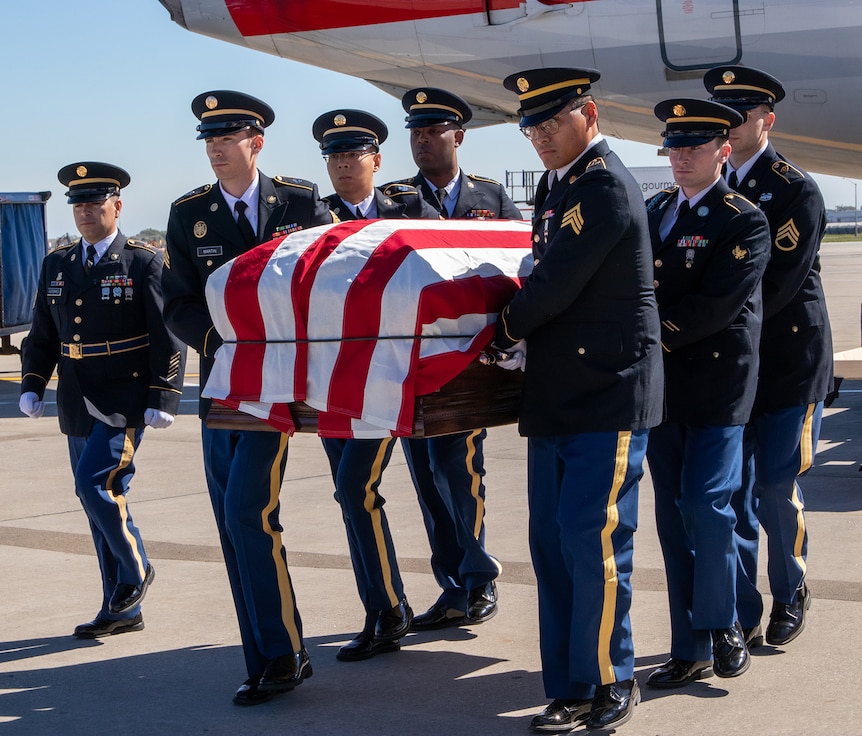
112,80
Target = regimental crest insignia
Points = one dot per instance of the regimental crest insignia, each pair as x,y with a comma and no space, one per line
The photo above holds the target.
200,229
596,163
574,219
739,253
787,236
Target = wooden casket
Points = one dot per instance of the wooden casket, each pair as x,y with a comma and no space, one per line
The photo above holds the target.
481,396
367,328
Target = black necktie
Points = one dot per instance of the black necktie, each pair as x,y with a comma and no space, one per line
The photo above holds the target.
733,181
248,235
441,195
91,259
682,211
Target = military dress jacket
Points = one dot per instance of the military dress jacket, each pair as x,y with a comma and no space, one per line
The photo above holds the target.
707,281
203,235
479,198
587,310
796,344
394,201
105,334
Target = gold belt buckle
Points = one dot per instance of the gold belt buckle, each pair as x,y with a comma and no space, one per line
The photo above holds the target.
76,351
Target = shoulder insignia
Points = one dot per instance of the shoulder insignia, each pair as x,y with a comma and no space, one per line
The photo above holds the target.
658,199
67,245
596,163
787,236
738,203
288,181
787,171
476,177
396,189
194,193
132,243
574,218
409,182
739,253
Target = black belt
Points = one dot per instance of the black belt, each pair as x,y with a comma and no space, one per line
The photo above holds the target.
77,350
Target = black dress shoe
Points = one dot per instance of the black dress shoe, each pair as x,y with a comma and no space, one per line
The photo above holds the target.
788,619
127,596
482,603
561,715
365,645
678,673
99,627
249,693
284,673
439,616
730,656
753,637
613,705
394,623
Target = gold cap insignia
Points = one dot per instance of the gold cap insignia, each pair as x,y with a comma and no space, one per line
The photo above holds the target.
81,171
200,229
728,77
678,110
523,84
421,97
211,102
340,120
578,90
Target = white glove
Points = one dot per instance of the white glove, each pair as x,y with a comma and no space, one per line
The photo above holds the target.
158,419
517,357
30,405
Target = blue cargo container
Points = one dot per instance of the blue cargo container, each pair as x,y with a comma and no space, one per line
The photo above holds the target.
23,245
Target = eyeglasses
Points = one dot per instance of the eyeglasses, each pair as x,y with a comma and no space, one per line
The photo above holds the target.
548,127
347,157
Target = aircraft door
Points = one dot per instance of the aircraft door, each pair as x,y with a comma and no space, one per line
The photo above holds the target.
699,34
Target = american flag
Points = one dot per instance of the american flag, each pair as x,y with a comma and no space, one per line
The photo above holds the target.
358,318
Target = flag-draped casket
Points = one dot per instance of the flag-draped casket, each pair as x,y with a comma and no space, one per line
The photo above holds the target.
357,319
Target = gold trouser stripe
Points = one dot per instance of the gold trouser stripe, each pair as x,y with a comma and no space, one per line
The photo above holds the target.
609,597
125,459
376,520
288,606
475,482
806,459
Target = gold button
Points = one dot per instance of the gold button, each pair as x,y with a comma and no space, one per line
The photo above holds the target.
535,261
209,263
135,374
658,262
655,284
76,337
78,320
715,354
582,351
794,329
78,302
535,238
116,301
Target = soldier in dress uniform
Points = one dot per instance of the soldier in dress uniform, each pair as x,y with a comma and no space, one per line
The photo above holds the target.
447,471
592,389
711,246
98,320
244,468
795,359
350,142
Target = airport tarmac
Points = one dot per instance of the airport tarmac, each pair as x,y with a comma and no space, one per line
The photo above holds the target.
179,674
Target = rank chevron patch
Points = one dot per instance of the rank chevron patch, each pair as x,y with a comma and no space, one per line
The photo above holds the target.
788,233
573,217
